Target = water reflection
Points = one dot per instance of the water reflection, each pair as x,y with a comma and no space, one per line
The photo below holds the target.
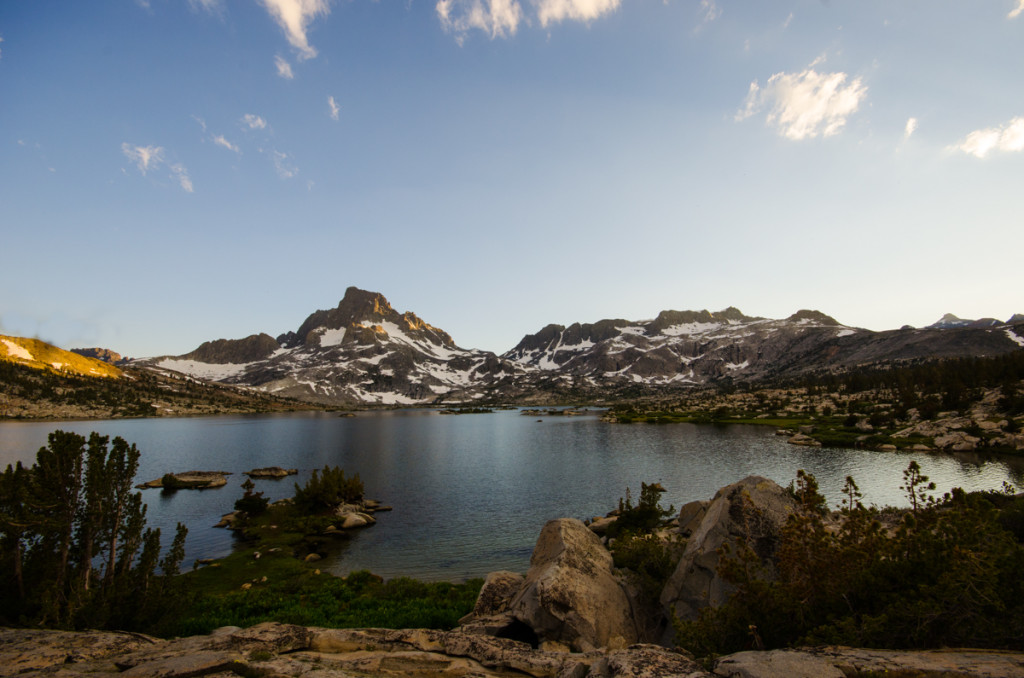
471,492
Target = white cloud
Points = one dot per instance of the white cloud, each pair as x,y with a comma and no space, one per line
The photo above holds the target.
1015,12
788,21
148,158
181,174
1,51
215,7
806,104
283,165
144,157
294,16
284,69
254,121
709,10
221,141
335,109
910,128
553,11
496,17
1008,138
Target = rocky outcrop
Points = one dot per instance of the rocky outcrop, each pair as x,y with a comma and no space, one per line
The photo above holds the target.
271,472
750,512
104,354
235,351
571,594
189,480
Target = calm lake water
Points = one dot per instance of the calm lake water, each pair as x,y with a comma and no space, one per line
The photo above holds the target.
471,492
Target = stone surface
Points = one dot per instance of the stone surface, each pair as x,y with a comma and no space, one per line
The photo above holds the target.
570,593
278,650
690,516
751,511
497,593
838,662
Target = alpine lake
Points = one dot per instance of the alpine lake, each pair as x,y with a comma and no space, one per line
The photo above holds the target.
471,492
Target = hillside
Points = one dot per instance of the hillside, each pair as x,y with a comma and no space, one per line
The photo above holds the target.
28,392
42,356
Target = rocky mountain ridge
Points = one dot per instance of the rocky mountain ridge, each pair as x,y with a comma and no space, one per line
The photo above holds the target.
364,351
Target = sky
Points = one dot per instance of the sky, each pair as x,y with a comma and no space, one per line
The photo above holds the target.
177,171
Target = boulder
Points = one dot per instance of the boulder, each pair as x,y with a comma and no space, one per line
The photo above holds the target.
571,593
803,439
353,520
497,593
750,512
599,526
957,441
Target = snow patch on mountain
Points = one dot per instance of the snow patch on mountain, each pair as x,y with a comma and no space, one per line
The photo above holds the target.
201,370
17,351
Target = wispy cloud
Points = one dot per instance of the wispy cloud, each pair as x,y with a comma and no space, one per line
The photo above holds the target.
805,104
294,17
1,51
254,121
284,69
1015,12
334,107
286,169
709,11
498,18
150,158
181,174
215,7
502,18
144,157
554,11
1007,138
221,141
910,128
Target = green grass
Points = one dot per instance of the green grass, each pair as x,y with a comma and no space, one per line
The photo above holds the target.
266,580
294,593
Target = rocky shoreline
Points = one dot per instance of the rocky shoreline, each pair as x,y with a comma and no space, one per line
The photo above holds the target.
573,615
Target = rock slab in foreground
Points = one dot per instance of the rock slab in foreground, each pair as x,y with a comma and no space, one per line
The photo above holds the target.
280,650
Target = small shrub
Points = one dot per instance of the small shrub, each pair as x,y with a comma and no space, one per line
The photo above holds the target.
328,489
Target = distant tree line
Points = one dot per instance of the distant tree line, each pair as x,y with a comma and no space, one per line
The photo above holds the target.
930,386
75,551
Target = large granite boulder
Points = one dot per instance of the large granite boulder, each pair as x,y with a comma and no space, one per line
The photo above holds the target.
571,593
750,512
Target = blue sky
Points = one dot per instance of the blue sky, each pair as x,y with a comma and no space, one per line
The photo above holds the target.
175,171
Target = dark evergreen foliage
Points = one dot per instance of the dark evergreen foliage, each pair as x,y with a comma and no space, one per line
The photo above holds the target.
74,548
949,572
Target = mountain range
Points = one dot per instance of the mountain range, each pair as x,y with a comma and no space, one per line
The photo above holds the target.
364,351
